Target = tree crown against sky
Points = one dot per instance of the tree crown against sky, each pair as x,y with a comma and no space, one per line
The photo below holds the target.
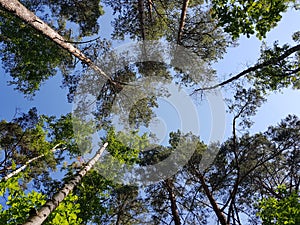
253,178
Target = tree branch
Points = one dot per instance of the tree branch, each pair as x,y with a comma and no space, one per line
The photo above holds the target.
253,68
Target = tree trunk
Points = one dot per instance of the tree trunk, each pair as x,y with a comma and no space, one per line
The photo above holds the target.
150,3
212,201
141,18
182,20
16,8
172,198
26,164
51,204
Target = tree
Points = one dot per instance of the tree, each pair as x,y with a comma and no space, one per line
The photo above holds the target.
52,204
182,19
220,183
23,139
249,167
246,169
276,69
29,17
193,28
20,169
29,57
285,210
248,17
30,137
134,20
21,204
84,14
170,198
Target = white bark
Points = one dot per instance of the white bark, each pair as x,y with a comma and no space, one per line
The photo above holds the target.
26,164
51,204
16,8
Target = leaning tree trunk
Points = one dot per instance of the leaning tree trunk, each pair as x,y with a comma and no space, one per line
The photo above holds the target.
214,204
174,209
19,10
51,204
182,20
26,164
150,3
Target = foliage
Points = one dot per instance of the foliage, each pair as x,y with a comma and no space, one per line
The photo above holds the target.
245,168
126,147
285,210
66,213
281,74
22,139
28,56
82,13
248,16
21,204
141,20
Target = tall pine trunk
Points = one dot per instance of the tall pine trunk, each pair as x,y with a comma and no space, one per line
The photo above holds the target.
220,215
141,18
174,209
51,204
182,20
19,10
150,3
17,171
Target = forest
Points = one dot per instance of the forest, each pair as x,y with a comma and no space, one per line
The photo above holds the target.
155,130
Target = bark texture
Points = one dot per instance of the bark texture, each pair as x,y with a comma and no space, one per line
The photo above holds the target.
216,208
170,188
19,10
141,18
51,204
182,20
26,164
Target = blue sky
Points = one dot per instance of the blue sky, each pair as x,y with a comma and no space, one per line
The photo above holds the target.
52,100
278,105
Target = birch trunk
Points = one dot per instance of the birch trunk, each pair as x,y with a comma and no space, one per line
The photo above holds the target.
182,20
51,204
19,10
26,164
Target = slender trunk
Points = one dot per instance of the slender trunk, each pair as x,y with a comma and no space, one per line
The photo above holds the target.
16,8
150,10
236,157
172,198
141,18
212,201
51,204
182,20
26,164
118,218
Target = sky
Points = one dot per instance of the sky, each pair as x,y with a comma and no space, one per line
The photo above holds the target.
278,104
52,100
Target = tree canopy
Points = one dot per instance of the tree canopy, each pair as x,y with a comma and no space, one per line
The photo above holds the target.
112,159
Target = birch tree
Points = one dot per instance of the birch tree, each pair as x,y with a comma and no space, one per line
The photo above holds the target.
52,204
19,10
20,169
